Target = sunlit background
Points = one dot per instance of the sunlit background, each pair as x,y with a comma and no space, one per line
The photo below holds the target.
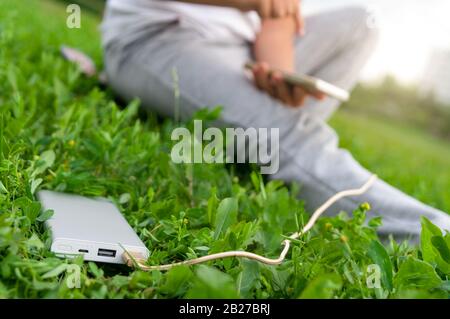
401,108
407,79
415,37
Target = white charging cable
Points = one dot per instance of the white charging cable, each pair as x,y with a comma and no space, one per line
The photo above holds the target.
136,260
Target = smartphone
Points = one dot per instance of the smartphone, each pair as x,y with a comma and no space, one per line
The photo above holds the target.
92,227
312,84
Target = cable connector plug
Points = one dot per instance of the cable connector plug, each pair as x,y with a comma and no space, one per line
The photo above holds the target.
133,259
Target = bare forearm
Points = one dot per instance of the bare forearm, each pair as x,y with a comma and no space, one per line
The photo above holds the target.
275,43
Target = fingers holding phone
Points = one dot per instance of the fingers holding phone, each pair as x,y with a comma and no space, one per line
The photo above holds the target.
275,85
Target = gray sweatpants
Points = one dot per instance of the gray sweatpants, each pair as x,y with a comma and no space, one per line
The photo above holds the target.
139,59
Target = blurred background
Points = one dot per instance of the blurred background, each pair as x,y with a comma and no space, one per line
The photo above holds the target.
397,122
414,33
408,77
410,70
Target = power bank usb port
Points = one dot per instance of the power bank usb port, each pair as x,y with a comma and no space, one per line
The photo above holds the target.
106,253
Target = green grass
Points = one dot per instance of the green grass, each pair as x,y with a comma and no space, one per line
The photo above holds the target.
60,131
415,162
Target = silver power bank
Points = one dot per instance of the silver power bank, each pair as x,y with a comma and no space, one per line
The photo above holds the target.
92,227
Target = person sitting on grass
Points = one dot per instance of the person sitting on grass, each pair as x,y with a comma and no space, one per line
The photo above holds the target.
209,41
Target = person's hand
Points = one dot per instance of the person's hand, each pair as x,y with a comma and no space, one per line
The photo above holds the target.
270,9
274,84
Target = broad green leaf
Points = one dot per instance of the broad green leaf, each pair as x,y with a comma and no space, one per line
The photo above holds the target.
97,272
437,252
119,281
446,285
322,287
415,273
447,238
177,281
34,241
45,215
35,184
375,222
55,272
226,216
124,198
428,230
248,277
32,210
379,255
42,285
46,161
440,244
48,157
212,283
